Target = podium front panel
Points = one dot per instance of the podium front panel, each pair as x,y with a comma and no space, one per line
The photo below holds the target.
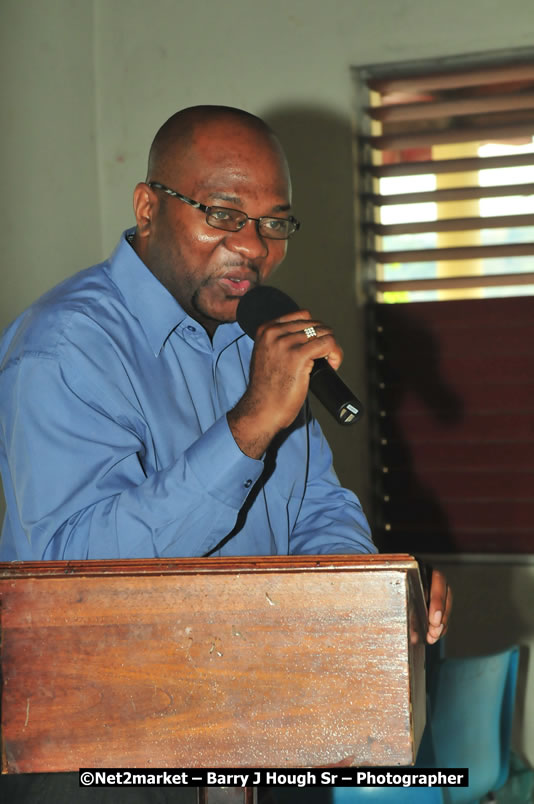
189,663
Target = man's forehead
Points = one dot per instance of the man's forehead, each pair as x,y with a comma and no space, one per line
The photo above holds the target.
231,148
237,170
235,185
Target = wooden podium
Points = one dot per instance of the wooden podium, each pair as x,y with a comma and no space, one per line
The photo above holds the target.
275,662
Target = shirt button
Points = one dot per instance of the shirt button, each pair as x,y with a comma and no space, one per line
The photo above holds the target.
248,483
191,328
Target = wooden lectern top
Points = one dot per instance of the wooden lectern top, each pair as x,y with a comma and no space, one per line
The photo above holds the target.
279,661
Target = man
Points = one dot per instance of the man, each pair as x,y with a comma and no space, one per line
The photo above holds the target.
137,418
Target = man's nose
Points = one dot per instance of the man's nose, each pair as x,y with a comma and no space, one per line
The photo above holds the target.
248,241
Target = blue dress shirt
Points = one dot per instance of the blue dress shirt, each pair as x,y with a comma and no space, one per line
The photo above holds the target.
114,441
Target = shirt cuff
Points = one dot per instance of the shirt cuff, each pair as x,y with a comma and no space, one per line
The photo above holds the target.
221,467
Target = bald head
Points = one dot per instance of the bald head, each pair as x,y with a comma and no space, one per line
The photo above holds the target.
211,158
178,137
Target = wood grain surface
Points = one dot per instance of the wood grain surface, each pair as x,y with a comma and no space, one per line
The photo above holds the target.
275,662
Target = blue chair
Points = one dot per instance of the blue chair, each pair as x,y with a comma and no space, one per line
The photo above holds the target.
388,795
471,704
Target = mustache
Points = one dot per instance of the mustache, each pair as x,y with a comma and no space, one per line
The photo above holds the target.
250,272
241,270
242,264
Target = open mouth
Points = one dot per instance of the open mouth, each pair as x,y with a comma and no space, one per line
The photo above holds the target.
236,285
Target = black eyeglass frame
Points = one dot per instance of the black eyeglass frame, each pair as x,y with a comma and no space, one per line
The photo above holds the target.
208,210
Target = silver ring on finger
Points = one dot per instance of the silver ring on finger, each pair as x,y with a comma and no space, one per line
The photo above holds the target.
310,332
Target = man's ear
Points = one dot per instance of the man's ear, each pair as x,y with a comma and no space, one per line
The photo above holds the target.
144,202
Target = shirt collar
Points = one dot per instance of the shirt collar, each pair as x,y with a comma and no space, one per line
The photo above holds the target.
150,302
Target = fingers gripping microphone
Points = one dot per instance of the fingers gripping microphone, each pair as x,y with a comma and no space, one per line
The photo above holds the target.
262,304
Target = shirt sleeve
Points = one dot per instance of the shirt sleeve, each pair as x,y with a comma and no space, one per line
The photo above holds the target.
331,519
80,489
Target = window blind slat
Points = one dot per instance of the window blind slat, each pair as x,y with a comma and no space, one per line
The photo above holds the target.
450,225
448,165
455,253
457,282
430,110
452,194
481,76
417,139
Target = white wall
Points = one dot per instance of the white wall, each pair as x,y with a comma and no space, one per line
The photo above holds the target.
87,82
91,80
49,193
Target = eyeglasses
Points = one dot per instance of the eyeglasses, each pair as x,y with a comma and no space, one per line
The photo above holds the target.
233,220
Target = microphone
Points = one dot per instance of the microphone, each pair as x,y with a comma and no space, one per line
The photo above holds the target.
264,303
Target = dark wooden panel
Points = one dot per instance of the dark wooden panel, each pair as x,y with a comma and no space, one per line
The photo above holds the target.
469,454
452,409
496,426
211,663
462,484
466,314
486,395
439,538
413,513
515,340
461,314
455,370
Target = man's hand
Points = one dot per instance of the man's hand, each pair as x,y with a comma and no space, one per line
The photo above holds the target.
439,606
280,369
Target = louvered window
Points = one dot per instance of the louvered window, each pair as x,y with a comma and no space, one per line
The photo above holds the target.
448,181
446,161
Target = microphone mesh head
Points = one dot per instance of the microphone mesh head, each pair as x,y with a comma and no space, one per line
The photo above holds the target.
262,304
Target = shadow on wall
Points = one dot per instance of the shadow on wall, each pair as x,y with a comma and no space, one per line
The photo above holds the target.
321,255
319,270
415,404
